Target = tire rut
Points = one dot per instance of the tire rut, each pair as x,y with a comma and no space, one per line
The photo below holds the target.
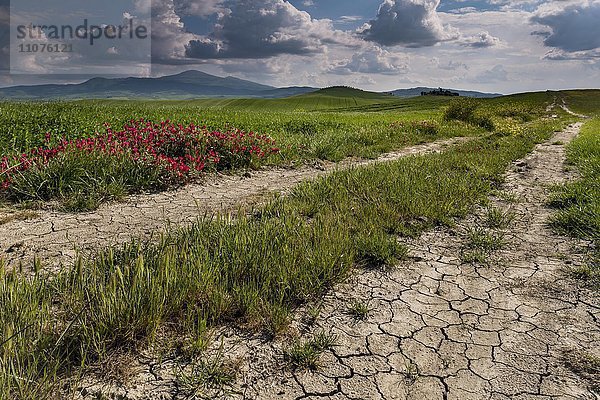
440,328
56,237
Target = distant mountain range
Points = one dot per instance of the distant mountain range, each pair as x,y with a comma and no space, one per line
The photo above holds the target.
190,84
186,85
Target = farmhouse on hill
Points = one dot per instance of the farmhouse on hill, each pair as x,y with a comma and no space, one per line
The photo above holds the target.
440,92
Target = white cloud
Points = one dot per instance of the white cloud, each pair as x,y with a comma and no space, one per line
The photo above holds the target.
143,6
169,36
409,23
373,60
481,40
464,10
495,74
200,8
349,18
561,55
258,68
451,65
272,42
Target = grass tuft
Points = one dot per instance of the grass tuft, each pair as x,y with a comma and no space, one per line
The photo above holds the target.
379,250
485,241
208,373
359,310
585,365
305,355
474,257
497,219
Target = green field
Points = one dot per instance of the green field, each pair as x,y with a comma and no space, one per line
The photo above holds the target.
330,125
586,102
254,270
579,202
24,124
582,207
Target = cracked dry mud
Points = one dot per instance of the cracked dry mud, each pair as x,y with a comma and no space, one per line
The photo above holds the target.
56,237
438,328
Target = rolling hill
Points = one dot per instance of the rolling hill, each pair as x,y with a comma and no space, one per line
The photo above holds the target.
186,85
332,99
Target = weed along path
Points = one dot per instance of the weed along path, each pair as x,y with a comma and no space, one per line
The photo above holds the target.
54,237
484,310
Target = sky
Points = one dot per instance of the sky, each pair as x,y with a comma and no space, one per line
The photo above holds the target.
503,46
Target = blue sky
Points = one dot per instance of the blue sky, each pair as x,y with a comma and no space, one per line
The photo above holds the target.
493,45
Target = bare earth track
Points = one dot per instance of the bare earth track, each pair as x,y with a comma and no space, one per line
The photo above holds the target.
55,237
439,328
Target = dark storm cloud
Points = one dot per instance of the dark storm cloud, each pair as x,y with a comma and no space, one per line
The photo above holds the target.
255,29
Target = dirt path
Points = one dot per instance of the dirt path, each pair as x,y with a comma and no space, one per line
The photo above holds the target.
54,237
439,328
564,107
568,111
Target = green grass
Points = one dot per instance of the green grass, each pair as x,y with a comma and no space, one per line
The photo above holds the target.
474,256
467,110
331,124
207,373
23,125
81,182
495,218
585,365
578,203
359,310
484,240
481,242
251,270
313,312
305,355
377,249
586,102
411,372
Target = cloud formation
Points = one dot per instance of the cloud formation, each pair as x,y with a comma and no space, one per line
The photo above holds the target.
255,29
451,65
495,74
409,23
482,40
574,26
169,36
374,60
200,8
559,55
